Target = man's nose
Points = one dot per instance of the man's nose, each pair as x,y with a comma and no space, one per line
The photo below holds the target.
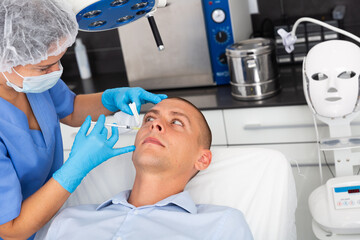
156,125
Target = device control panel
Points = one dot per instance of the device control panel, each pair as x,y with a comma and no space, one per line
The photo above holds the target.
219,34
346,197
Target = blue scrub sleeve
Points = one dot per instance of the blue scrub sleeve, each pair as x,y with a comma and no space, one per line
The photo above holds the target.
63,99
10,189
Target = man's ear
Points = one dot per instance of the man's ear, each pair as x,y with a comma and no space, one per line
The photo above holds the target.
204,160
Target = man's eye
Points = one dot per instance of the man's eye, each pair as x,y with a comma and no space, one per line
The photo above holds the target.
148,119
177,122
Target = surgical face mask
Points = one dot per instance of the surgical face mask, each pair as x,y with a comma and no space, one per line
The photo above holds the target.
36,84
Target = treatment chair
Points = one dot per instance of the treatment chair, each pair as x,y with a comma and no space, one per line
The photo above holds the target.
259,182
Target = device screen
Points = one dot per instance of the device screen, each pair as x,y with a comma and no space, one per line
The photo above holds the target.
353,190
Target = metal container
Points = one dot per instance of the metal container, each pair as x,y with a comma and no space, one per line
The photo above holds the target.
253,69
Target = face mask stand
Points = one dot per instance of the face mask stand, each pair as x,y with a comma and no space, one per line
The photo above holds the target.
335,205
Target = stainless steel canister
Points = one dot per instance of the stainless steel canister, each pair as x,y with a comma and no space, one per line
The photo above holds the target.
253,69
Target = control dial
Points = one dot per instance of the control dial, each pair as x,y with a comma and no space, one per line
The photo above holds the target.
222,59
218,15
221,36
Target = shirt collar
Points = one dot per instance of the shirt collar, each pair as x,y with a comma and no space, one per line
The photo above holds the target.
120,198
182,200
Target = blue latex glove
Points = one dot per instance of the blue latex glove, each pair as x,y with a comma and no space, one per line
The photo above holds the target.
119,98
88,152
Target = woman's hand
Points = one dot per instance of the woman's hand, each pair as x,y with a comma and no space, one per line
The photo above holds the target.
119,98
87,152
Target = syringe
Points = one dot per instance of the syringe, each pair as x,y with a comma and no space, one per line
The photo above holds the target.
119,126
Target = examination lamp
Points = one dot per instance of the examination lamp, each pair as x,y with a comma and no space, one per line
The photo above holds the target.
331,85
102,15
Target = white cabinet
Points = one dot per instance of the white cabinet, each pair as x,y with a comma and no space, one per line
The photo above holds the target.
269,125
217,126
289,129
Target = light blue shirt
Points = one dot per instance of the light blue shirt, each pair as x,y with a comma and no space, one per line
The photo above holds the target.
176,217
28,158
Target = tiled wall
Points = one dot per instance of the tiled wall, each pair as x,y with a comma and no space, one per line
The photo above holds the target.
274,10
106,61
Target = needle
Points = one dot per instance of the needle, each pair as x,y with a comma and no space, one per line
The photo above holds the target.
119,126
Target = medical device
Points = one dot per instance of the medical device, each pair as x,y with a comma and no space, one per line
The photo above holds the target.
335,208
331,86
95,15
119,126
196,41
125,121
226,22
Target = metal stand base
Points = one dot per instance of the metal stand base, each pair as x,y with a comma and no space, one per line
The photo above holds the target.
323,235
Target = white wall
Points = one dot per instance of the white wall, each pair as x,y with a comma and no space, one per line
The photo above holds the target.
253,6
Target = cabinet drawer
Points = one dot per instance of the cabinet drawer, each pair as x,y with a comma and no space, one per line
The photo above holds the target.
269,125
299,153
291,124
216,123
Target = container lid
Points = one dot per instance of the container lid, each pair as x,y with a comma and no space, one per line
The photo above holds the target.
254,46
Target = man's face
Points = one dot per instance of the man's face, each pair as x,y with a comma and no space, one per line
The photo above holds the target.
168,140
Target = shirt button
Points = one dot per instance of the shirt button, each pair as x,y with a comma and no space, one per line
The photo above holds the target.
136,212
119,238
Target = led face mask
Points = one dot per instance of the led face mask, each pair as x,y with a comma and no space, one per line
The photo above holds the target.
36,84
331,72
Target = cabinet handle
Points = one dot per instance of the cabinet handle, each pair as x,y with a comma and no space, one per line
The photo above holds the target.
259,126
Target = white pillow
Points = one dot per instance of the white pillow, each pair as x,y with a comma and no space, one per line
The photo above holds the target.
259,182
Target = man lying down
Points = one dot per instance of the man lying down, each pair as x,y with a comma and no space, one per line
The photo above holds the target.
172,145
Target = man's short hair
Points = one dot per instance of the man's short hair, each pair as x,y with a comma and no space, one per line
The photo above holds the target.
205,132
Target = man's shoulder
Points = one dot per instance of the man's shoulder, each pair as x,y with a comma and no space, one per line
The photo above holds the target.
74,210
230,222
222,210
215,208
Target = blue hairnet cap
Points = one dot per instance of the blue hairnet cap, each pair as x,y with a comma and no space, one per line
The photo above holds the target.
33,30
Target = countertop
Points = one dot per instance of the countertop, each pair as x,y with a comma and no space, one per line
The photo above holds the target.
219,97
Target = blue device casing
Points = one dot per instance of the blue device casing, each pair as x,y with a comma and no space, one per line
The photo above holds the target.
219,36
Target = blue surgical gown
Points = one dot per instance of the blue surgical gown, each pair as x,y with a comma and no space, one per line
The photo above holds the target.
28,158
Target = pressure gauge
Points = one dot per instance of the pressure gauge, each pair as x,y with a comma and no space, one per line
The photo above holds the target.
218,15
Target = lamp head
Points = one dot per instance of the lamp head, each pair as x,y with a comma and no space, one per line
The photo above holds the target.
102,15
331,78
